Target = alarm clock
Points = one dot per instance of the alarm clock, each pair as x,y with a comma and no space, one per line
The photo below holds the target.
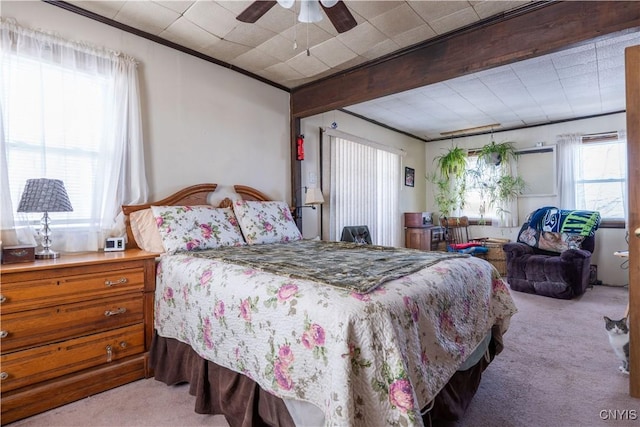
114,244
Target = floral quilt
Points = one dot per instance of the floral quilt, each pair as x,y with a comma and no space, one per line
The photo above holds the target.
364,359
356,267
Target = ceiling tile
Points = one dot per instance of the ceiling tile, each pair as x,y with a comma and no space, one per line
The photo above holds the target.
333,53
185,32
212,17
434,10
577,70
254,59
146,16
370,9
611,76
308,66
361,38
277,19
249,35
280,47
226,51
235,6
563,60
397,20
176,6
108,9
283,71
415,35
383,48
454,21
304,33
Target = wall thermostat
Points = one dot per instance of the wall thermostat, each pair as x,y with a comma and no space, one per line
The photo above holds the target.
114,244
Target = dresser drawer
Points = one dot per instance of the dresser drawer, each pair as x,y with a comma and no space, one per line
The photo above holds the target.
50,291
27,367
47,325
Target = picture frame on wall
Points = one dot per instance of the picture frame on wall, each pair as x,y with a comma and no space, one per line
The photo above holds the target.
409,176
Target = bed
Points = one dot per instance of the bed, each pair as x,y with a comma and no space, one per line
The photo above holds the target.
267,342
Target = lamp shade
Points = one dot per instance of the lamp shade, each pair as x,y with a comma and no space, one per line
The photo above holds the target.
44,195
313,196
310,11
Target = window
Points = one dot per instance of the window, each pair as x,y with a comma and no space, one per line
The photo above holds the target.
475,200
55,134
600,177
365,182
71,112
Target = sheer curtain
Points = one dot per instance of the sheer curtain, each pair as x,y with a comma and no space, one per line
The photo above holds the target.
568,157
365,182
72,112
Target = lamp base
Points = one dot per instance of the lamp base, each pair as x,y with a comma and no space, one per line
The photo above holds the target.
47,254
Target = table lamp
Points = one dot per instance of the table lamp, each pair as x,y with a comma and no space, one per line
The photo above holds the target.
45,195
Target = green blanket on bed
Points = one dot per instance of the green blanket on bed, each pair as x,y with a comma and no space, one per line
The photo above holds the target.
355,267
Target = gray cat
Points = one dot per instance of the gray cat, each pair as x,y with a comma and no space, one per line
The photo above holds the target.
619,339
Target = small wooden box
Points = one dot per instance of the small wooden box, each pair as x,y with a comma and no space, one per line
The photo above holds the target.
19,253
418,219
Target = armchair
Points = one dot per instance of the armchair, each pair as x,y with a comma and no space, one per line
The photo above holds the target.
560,269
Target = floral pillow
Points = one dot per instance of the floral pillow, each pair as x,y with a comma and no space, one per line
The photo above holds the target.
266,222
192,228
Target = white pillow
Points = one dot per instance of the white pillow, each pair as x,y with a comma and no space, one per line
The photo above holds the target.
266,222
189,228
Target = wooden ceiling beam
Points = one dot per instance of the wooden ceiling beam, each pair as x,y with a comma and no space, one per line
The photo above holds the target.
537,30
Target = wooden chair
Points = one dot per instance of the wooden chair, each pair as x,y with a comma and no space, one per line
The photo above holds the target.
456,229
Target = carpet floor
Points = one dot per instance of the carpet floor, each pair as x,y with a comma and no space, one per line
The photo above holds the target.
557,369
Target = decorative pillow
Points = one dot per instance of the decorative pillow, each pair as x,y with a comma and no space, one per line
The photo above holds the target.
266,222
145,232
189,228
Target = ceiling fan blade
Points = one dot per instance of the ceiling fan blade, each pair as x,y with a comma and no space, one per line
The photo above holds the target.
255,11
340,17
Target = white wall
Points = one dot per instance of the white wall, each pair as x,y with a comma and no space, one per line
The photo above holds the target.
608,240
201,122
412,199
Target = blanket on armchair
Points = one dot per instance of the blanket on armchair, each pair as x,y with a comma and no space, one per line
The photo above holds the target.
552,219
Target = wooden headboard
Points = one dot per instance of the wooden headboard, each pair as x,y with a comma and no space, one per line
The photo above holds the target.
193,195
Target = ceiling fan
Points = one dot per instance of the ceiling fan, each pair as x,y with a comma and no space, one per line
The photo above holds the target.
335,10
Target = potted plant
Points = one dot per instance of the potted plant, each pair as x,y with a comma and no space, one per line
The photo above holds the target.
446,199
453,163
449,180
495,154
506,189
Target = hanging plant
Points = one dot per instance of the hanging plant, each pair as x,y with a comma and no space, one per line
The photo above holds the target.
453,163
449,180
494,154
506,189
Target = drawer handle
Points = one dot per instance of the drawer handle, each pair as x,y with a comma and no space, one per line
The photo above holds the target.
123,344
3,334
109,313
3,375
116,282
2,299
109,353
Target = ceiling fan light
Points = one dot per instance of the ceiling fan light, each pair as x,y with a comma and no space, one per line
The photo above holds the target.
287,4
328,3
310,11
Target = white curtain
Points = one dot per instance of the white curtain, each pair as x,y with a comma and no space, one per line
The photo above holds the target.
72,112
365,183
568,146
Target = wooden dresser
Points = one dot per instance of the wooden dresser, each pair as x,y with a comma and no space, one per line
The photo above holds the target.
428,238
72,327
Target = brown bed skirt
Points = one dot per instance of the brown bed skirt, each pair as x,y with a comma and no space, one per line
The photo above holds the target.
219,390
